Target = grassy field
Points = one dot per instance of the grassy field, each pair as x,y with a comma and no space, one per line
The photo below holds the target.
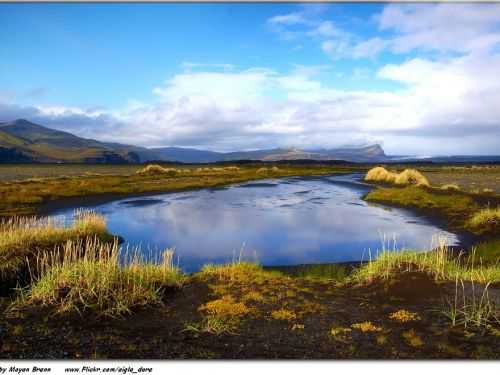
13,172
24,196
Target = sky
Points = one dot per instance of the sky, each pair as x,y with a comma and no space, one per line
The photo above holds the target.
419,79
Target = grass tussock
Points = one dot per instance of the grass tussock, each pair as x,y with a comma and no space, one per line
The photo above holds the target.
262,170
155,169
91,276
485,220
366,327
24,238
404,316
411,177
406,177
221,316
450,187
380,174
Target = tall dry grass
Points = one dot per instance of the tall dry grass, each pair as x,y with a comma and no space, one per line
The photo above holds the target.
380,174
24,237
91,275
406,177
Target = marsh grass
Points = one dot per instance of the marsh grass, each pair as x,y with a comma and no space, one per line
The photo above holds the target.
486,219
488,252
91,275
23,238
441,263
471,305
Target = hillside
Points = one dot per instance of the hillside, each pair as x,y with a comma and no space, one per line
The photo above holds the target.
24,141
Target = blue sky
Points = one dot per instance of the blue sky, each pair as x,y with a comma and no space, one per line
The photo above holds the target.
231,76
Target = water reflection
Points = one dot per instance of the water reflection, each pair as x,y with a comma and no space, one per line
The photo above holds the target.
281,222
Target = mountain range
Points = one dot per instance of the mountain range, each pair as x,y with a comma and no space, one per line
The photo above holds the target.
24,141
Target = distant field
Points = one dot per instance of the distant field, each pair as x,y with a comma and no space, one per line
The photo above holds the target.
473,178
10,172
470,178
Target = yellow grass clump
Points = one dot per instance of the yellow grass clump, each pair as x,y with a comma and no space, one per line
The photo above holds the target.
262,170
155,169
407,177
404,316
91,275
283,314
411,177
366,327
223,315
380,174
453,187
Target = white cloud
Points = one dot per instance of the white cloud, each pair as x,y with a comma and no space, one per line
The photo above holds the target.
327,29
444,28
447,103
288,19
454,99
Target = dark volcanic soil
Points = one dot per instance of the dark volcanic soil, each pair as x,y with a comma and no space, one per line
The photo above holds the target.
315,307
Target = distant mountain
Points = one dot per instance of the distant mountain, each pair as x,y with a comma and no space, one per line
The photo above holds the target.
24,141
357,154
187,155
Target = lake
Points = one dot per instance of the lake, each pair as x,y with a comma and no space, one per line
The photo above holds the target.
285,221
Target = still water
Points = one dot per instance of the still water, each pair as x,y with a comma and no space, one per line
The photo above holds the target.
285,221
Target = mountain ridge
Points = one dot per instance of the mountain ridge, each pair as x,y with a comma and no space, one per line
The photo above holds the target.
25,141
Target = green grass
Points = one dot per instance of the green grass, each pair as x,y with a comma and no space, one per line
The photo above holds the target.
456,207
336,272
485,220
25,238
488,252
237,272
90,276
22,197
440,263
